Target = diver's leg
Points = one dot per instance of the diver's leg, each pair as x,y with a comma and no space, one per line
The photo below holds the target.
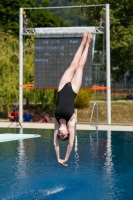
77,78
69,73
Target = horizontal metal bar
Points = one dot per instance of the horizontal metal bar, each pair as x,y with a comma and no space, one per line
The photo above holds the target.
61,7
32,31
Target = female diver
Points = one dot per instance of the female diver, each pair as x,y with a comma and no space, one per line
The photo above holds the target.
69,86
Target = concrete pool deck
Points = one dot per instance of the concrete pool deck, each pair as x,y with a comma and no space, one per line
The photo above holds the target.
79,126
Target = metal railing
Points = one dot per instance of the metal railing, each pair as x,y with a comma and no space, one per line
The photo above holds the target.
96,125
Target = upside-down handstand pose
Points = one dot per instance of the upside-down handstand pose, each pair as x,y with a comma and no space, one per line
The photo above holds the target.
68,88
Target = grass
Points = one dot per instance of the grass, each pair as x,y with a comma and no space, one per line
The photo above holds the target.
121,113
114,97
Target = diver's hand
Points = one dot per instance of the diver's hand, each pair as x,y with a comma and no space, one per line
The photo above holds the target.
62,162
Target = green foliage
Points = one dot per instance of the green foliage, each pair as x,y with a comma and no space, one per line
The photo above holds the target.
9,73
28,60
121,26
44,97
8,69
70,15
82,99
55,97
9,17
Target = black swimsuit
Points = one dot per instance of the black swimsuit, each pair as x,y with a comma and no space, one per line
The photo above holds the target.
65,104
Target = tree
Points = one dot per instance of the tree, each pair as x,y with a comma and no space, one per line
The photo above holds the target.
8,69
70,16
9,73
121,25
82,99
9,16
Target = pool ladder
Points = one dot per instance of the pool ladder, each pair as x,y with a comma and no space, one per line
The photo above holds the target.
96,125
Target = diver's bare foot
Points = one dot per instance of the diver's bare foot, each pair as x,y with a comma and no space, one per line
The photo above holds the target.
84,38
89,38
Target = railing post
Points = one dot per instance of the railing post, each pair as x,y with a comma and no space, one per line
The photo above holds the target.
95,104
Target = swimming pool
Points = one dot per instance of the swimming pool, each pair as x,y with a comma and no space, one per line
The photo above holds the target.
100,168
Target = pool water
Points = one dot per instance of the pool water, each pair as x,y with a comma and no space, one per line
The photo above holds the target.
100,167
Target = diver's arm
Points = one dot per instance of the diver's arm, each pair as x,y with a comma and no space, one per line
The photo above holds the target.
56,143
71,129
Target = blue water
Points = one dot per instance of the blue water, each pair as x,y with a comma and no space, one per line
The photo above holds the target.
99,168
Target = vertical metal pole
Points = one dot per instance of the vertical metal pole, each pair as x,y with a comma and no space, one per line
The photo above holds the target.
93,46
108,64
21,130
20,64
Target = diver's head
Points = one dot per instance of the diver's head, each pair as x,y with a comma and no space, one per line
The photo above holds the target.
63,133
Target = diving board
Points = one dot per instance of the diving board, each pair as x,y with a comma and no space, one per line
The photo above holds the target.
5,137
